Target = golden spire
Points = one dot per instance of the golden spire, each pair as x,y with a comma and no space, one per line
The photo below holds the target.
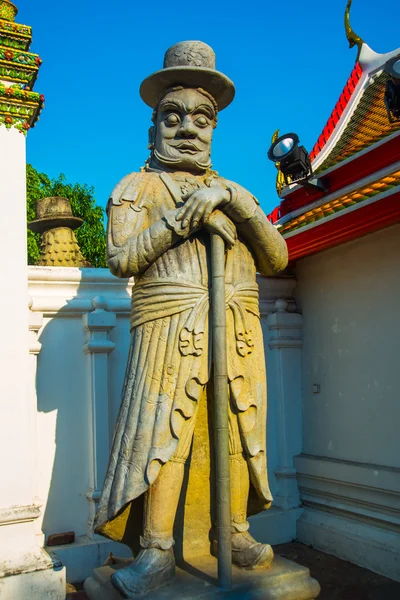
8,10
354,39
280,180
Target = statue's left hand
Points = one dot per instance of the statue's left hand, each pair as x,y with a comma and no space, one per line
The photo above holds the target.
199,206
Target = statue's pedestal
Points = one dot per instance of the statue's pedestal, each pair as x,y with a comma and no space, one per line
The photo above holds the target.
285,580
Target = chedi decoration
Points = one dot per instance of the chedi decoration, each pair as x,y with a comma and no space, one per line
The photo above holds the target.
20,106
56,223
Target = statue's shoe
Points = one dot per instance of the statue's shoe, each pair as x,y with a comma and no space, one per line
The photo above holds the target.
152,568
247,553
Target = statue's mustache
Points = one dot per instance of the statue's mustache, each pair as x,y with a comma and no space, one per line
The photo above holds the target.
168,160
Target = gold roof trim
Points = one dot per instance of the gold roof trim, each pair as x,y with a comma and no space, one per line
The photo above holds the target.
280,179
353,38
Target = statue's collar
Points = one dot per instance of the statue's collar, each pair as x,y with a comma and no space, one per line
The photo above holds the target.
183,175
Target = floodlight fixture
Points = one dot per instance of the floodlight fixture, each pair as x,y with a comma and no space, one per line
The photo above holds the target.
392,91
294,162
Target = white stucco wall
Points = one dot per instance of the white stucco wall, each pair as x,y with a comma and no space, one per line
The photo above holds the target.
349,298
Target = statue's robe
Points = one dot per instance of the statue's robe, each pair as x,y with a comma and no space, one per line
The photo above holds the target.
170,355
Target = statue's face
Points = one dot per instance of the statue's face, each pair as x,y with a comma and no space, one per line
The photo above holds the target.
184,126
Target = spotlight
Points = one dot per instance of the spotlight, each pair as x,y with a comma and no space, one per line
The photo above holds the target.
392,91
294,162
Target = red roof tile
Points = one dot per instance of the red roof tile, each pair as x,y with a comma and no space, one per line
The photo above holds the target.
341,104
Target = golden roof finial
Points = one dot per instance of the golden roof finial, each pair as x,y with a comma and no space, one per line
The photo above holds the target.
354,39
8,10
280,180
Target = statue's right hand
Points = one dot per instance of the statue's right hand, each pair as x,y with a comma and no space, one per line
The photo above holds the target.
219,223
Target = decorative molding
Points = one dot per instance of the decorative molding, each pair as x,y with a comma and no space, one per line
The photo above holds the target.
364,492
19,106
19,514
35,324
286,472
271,288
34,560
20,58
351,510
99,322
285,343
285,327
73,275
99,347
13,35
98,325
69,291
285,334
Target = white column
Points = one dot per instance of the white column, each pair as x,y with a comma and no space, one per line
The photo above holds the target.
19,551
98,325
286,344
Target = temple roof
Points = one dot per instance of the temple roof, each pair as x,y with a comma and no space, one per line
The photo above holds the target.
359,118
357,156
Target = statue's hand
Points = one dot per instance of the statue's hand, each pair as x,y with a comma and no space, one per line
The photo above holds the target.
219,223
199,205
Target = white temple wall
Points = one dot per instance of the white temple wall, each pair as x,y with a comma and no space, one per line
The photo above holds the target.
82,331
349,472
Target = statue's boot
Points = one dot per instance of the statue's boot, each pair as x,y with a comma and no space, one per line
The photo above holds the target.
246,551
250,554
155,563
152,568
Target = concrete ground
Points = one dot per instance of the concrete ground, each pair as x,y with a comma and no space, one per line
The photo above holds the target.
339,580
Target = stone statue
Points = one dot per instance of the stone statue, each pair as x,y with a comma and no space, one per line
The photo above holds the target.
56,224
159,224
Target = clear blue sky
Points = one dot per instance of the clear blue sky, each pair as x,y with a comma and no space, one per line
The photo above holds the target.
288,59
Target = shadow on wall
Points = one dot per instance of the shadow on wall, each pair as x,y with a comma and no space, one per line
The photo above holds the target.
66,433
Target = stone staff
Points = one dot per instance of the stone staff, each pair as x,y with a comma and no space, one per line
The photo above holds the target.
221,401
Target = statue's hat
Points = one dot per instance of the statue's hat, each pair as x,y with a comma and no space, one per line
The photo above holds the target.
191,64
54,212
